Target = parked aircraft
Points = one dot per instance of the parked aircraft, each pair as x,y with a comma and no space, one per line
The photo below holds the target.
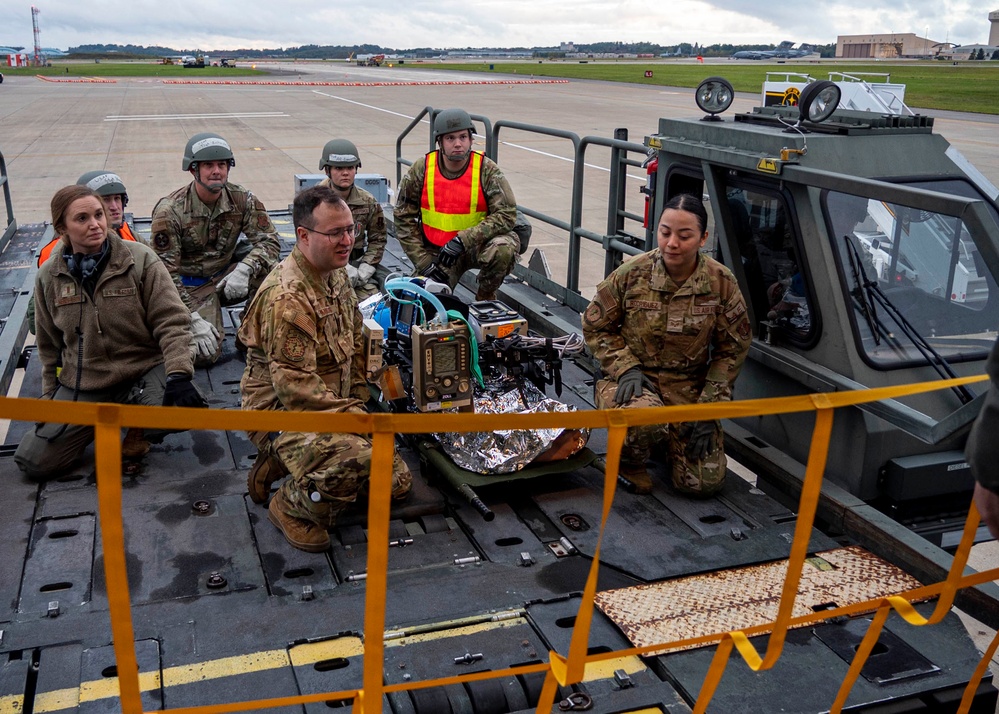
784,50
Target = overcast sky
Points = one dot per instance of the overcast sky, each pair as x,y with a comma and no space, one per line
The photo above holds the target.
403,24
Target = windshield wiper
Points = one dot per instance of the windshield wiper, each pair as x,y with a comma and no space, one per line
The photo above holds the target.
870,292
861,292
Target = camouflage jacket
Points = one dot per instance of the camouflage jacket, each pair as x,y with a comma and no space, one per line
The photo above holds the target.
303,339
698,332
134,321
502,212
196,240
371,238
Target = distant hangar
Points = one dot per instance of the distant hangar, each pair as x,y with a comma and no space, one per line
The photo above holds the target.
895,45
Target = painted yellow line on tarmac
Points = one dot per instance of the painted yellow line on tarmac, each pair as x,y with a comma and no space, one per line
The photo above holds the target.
107,688
605,668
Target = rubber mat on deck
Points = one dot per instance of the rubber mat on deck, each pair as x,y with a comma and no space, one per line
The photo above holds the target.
728,600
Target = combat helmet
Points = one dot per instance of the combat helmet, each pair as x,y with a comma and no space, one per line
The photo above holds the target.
104,183
449,120
206,147
340,153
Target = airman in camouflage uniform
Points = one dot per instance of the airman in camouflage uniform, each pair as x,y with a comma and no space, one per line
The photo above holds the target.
195,231
491,244
304,346
340,160
688,341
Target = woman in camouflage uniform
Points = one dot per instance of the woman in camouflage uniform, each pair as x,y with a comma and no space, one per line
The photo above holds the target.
670,327
111,328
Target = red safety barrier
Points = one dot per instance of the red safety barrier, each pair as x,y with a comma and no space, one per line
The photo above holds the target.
81,80
366,84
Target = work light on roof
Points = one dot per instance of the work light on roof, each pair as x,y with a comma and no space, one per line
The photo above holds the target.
714,95
818,101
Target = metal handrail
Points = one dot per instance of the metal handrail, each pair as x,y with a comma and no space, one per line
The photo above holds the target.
616,214
11,228
615,210
576,205
399,160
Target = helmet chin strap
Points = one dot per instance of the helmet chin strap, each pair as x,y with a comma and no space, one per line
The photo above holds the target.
458,157
212,187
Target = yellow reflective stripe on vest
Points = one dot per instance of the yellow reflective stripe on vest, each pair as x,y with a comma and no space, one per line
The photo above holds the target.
446,214
473,195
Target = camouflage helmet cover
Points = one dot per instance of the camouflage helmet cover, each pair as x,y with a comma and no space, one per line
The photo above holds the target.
340,153
450,120
207,147
104,183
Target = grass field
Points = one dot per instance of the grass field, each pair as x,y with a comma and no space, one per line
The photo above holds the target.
131,69
967,87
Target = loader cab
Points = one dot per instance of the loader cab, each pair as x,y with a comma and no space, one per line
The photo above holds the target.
867,250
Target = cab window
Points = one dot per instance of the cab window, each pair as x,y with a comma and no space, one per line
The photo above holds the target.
916,281
777,285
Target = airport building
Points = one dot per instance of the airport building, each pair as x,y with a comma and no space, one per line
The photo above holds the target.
894,45
888,46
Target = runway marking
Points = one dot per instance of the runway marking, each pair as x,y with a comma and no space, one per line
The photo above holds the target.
366,106
167,117
107,688
504,143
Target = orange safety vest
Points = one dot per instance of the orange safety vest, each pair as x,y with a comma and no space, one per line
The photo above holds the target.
125,232
451,205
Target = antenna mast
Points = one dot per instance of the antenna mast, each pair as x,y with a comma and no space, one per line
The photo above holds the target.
38,41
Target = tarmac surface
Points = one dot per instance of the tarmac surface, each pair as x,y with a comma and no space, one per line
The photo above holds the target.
51,132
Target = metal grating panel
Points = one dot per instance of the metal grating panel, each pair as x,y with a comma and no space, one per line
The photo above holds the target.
729,600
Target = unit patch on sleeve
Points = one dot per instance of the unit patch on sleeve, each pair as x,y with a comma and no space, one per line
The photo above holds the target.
294,346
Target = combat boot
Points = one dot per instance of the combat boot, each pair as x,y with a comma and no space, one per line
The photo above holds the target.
267,468
135,446
302,534
635,478
402,483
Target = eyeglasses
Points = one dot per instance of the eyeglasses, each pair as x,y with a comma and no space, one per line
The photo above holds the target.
337,235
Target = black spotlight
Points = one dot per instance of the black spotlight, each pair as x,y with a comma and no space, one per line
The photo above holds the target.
818,101
714,95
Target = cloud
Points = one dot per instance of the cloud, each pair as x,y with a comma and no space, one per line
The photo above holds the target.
960,21
260,24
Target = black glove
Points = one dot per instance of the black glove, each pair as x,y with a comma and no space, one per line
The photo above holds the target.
450,253
629,385
181,392
436,272
699,440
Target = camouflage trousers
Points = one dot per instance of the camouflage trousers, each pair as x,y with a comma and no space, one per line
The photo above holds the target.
50,450
495,261
334,466
700,478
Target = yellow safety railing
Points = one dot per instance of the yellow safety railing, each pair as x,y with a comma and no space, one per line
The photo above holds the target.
108,420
